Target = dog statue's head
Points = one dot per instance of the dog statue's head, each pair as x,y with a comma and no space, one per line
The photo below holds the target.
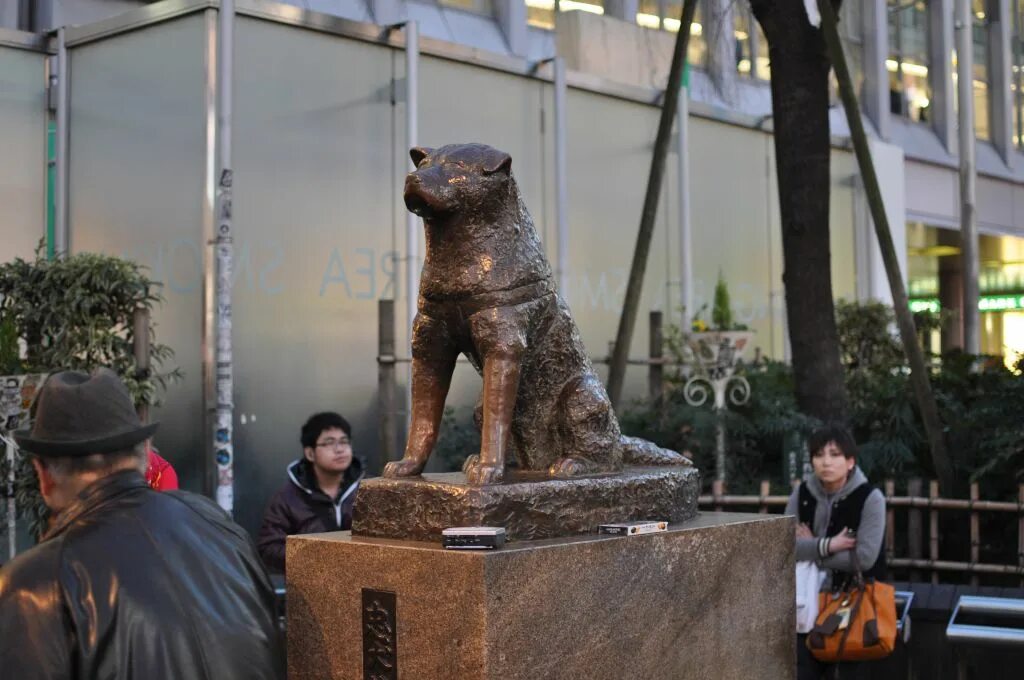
455,178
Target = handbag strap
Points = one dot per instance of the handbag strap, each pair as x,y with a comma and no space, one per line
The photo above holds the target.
853,617
860,587
858,573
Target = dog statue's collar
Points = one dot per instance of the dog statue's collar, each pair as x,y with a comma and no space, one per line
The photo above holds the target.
500,298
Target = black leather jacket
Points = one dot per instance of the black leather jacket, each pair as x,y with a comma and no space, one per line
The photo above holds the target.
131,583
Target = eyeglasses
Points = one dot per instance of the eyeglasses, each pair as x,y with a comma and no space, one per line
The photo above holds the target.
333,443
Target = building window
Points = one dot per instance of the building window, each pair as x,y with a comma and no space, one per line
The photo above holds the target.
910,92
541,13
851,32
935,281
476,6
743,23
665,15
981,71
762,64
1017,46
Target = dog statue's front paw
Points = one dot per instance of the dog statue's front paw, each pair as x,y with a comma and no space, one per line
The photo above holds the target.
407,467
571,467
478,474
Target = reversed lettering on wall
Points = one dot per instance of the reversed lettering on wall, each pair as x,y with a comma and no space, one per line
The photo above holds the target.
380,636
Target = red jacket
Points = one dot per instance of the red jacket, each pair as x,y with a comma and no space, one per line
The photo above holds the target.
159,474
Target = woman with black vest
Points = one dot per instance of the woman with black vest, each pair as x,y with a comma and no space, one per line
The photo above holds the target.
838,513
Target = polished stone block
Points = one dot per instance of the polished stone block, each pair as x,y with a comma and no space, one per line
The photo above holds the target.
528,505
712,598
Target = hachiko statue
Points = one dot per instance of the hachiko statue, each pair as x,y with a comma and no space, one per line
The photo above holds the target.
486,291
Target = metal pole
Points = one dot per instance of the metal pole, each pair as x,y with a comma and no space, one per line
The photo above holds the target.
222,436
60,232
208,226
412,223
561,175
720,432
685,226
12,508
968,218
634,286
386,379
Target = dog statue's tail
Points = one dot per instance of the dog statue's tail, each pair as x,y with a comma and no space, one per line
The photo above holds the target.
636,451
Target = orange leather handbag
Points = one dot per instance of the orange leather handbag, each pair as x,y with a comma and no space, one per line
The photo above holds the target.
857,623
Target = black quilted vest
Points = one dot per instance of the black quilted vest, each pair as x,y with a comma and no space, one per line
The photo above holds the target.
846,511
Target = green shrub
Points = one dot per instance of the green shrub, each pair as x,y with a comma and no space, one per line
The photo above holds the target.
75,313
980,408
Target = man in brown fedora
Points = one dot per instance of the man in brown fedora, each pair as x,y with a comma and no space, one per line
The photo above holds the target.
128,582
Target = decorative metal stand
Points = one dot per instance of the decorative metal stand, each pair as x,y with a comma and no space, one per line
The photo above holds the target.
716,358
16,395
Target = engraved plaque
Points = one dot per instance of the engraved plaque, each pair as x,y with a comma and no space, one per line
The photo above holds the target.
380,636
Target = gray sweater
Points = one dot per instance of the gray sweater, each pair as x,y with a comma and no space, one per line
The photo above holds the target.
869,533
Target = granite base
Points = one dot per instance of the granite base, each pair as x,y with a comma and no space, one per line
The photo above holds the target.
529,506
710,599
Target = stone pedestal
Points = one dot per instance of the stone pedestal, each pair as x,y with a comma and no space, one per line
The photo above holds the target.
712,598
528,505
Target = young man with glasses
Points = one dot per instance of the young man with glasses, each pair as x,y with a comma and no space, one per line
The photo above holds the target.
320,491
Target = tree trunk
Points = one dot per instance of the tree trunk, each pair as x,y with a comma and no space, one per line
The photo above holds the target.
800,105
919,373
631,305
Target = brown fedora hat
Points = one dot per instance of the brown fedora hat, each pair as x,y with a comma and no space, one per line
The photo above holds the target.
78,414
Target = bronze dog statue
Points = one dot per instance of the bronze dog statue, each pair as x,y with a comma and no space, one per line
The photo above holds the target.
486,291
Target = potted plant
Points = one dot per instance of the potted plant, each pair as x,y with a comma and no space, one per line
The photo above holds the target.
718,348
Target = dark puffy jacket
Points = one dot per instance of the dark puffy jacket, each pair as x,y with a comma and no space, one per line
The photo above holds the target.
133,584
300,507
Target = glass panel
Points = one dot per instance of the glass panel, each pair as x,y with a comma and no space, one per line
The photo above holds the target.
478,6
935,280
742,21
851,32
981,98
648,15
696,49
851,21
541,13
1017,46
909,88
594,6
22,138
762,67
135,189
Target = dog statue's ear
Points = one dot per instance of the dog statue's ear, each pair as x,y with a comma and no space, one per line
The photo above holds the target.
418,153
499,162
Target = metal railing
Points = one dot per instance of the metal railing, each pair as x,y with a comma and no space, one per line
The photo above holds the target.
985,622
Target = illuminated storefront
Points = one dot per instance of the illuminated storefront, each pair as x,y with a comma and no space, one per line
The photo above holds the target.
935,282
